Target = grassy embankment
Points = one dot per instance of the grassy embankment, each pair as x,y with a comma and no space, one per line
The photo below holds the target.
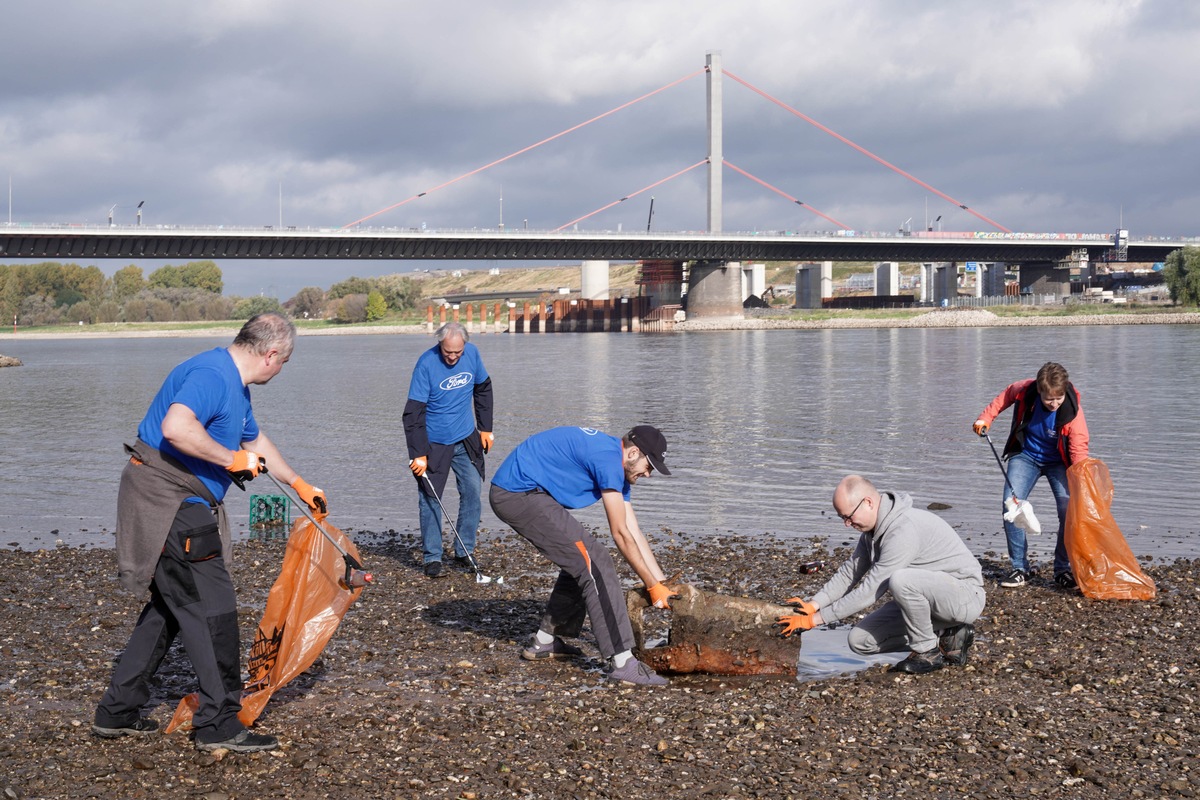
622,281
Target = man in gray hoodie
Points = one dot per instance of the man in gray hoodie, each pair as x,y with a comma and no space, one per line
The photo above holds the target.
935,583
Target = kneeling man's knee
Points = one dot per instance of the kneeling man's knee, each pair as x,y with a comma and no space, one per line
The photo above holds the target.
862,642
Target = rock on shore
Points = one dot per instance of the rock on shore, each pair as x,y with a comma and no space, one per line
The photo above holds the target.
421,693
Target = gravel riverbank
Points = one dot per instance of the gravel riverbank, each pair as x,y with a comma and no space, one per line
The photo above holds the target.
422,694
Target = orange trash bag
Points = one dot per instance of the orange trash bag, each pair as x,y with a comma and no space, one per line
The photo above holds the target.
1104,566
305,605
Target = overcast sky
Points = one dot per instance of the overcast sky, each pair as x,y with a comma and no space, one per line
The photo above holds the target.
1073,115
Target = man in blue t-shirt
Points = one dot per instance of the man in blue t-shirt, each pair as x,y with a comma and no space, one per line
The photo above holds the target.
198,436
567,468
448,426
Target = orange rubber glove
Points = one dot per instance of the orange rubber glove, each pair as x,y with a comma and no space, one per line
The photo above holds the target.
802,621
312,496
244,467
418,465
660,594
805,608
980,427
488,440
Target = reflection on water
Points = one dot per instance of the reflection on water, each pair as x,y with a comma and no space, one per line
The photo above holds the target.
761,424
825,653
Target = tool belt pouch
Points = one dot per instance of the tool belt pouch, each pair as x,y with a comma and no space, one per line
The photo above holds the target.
200,544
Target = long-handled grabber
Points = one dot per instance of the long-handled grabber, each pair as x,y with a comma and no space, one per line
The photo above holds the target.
479,576
1017,511
355,577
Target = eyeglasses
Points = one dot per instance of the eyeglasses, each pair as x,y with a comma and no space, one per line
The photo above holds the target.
850,516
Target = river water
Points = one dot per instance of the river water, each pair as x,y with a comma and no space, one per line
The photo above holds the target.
761,424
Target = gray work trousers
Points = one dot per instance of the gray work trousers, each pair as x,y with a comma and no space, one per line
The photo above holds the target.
192,597
923,604
587,583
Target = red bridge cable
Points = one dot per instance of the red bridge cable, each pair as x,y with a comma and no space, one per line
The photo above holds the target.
635,194
864,151
782,193
530,147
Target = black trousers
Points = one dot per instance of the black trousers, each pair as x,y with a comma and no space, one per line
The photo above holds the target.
192,598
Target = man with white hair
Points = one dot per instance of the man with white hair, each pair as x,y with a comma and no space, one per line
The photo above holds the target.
448,426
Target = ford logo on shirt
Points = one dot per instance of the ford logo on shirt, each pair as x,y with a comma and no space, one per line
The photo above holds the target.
456,381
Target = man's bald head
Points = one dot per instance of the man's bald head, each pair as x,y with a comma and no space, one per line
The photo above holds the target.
856,502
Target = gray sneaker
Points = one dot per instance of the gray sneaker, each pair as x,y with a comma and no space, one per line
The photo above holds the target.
536,651
244,742
635,673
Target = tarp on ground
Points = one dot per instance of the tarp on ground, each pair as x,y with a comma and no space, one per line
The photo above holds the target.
1104,566
304,608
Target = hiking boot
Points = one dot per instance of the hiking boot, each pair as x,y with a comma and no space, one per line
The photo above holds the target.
536,651
1015,579
920,663
139,727
433,569
635,673
955,643
464,563
1065,580
244,742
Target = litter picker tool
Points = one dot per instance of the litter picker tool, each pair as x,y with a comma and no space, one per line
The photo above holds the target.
1017,511
355,576
479,576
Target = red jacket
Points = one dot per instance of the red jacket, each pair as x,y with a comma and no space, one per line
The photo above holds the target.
1068,420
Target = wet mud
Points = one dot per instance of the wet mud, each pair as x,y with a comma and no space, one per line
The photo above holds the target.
422,693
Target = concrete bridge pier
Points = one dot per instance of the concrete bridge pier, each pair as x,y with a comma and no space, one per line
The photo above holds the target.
715,290
814,284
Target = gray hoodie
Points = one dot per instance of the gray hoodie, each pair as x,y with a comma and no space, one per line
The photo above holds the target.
904,537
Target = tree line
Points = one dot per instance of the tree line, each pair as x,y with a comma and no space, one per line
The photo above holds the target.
51,293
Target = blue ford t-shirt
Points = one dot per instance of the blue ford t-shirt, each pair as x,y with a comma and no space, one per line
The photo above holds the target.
209,384
448,393
1041,437
572,465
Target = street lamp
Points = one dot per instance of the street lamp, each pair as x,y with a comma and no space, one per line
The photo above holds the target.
139,211
110,214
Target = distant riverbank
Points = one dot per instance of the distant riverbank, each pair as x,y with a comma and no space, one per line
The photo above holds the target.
934,318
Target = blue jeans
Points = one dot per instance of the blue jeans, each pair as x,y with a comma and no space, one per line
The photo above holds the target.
469,484
1023,473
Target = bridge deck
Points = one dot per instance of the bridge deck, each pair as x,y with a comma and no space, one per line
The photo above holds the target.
83,243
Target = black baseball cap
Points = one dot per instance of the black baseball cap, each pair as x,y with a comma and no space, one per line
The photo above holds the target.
653,444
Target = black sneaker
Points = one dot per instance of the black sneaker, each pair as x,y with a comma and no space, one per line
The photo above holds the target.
140,727
464,563
1065,580
433,569
244,742
955,643
920,663
1015,579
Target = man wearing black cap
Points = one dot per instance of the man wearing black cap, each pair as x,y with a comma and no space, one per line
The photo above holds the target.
567,468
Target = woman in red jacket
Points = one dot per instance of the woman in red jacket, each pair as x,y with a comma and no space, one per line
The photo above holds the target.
1048,435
